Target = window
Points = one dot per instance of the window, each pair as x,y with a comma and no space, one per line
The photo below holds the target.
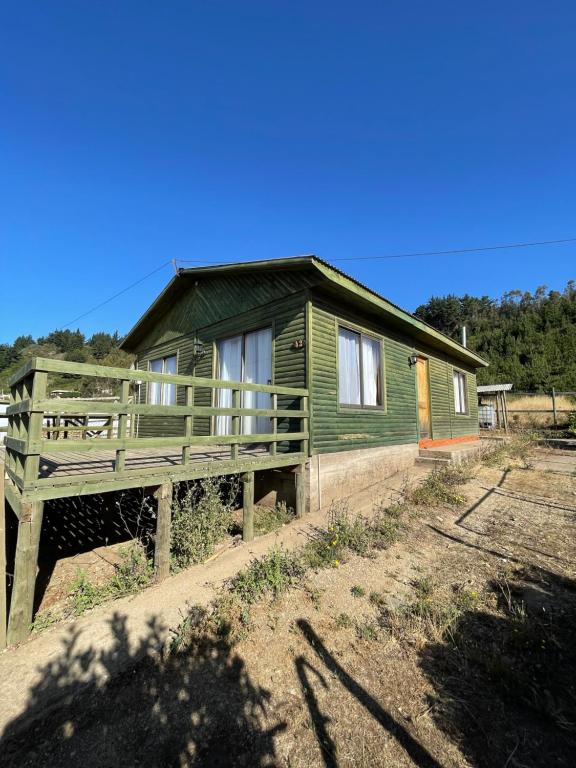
359,370
160,393
460,399
246,357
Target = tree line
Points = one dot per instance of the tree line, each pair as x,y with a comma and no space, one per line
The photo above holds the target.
102,348
529,339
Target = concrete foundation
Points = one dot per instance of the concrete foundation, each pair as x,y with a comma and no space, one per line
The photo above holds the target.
333,476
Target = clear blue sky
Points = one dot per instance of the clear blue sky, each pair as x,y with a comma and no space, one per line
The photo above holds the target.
134,132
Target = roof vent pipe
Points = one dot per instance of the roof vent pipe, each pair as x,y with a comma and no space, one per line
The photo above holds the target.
463,335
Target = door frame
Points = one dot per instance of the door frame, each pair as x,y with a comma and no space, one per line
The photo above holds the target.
420,356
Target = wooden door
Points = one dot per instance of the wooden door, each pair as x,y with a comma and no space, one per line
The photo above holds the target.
423,387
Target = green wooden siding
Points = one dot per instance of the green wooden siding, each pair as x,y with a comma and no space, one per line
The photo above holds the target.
208,300
287,319
337,429
217,307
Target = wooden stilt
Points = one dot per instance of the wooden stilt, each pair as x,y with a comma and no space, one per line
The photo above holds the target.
25,567
248,506
163,495
300,481
3,604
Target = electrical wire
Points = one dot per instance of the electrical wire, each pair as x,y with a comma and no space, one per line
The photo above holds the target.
419,253
115,296
350,258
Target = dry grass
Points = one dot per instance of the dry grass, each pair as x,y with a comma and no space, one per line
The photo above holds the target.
534,404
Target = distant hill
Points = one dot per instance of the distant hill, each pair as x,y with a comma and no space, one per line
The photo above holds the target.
102,348
528,339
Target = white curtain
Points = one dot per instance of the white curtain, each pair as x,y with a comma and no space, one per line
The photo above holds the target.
459,392
349,367
155,387
160,393
371,371
229,369
169,390
257,370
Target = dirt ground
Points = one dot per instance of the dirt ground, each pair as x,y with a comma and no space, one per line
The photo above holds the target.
325,678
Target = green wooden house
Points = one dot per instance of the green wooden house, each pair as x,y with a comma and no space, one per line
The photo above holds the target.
331,388
382,383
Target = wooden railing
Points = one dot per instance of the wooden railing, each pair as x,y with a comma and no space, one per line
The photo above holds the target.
33,418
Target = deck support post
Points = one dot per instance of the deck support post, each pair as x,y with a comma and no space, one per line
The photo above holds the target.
248,506
25,567
300,483
3,603
163,495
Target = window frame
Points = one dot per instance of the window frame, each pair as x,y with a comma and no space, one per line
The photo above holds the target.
163,384
459,372
347,408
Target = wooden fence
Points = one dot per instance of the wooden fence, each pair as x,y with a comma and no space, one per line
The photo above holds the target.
552,395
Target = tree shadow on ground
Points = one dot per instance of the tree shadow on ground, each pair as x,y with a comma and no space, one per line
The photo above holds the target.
505,680
417,752
194,706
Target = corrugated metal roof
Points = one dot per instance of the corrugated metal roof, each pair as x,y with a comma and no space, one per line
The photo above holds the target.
294,262
489,389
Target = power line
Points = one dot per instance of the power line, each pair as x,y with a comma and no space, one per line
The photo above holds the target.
421,253
115,296
350,258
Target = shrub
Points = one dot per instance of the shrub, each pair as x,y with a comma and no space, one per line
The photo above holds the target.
133,573
200,519
343,621
360,535
83,594
518,448
271,574
268,519
357,591
439,487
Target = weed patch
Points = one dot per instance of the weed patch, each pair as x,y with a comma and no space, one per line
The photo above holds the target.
272,574
516,449
441,487
269,519
201,517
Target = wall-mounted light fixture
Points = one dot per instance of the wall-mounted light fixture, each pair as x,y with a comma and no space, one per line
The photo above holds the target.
412,360
199,350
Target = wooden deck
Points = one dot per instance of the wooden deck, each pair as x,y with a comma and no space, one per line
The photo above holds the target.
47,458
75,463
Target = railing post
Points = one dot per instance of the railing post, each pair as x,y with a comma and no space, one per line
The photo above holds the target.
122,424
248,506
554,412
188,425
235,424
35,388
273,446
163,496
25,565
300,481
304,425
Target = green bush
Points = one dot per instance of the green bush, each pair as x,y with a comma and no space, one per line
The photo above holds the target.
439,487
133,573
271,574
360,535
267,519
200,519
